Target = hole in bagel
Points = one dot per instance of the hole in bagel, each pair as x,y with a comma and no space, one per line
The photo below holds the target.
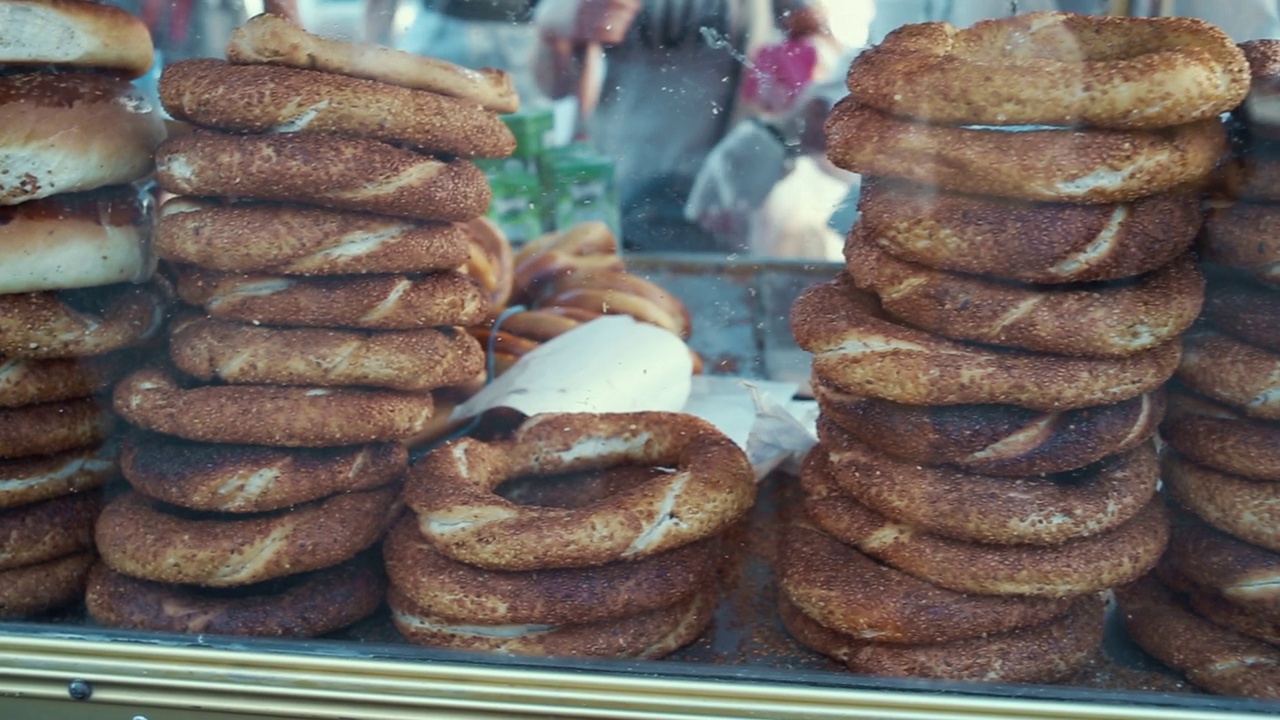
576,490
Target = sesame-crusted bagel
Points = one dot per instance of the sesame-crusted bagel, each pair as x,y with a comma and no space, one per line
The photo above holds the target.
462,593
74,34
371,302
1245,575
334,172
1076,567
1119,319
53,427
74,323
1212,657
1246,236
1232,372
284,416
1000,440
1031,242
1048,652
1211,434
650,635
710,486
1246,311
25,381
858,350
1247,509
490,261
247,479
143,539
48,529
1055,68
988,509
268,38
301,606
266,98
281,239
845,590
1224,614
409,360
31,589
32,479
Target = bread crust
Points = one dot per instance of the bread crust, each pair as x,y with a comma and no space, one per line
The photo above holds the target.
25,381
74,34
1247,509
1244,235
490,262
32,479
32,589
1243,376
49,529
1214,561
53,427
1246,311
78,323
1214,435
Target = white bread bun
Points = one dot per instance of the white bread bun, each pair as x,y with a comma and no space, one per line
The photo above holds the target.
72,132
75,241
74,33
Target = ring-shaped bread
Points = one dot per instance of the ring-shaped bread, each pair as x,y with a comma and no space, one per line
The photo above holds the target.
1076,567
370,302
48,529
208,92
1216,436
1032,242
241,353
1212,657
282,239
650,634
1223,614
1246,311
279,416
334,172
55,427
142,539
1002,440
1054,68
1049,652
710,486
857,350
32,589
1055,165
490,261
75,323
1247,509
306,605
1119,319
843,589
1245,575
32,479
1235,373
988,509
458,592
247,478
82,35
1244,235
26,381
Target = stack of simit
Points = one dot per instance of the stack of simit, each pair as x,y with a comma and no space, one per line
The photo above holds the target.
74,263
314,241
989,366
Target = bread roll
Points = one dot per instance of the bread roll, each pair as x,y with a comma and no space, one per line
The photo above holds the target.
74,33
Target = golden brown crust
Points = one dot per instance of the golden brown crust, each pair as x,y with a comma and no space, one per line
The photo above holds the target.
1044,653
1242,574
988,509
1055,68
490,261
371,302
1247,509
1080,566
264,415
31,589
710,487
645,300
859,351
246,479
461,593
650,635
1224,614
53,427
27,382
142,539
1120,319
304,606
272,98
1218,437
1247,311
408,360
270,39
32,479
843,589
74,34
49,529
1246,236
1080,166
1213,658
999,440
284,239
1031,242
333,172
1243,376
78,323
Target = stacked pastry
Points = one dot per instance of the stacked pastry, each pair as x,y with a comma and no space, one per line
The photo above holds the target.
74,236
1212,610
626,569
989,366
314,242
